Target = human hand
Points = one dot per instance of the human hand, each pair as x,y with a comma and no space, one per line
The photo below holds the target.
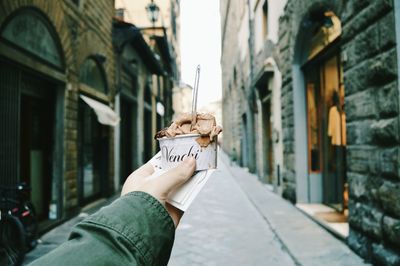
161,186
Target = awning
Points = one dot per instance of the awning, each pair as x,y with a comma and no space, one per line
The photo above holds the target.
105,115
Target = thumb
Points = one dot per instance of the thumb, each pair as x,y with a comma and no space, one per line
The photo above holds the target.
178,175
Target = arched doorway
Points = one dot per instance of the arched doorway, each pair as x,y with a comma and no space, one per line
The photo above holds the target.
31,90
319,112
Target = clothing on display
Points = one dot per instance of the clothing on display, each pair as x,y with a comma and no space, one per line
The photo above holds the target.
337,126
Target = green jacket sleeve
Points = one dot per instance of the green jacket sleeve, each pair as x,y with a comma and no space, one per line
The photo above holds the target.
134,230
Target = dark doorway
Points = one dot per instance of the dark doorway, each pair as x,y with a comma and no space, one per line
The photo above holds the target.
267,138
243,142
128,140
36,141
148,135
148,125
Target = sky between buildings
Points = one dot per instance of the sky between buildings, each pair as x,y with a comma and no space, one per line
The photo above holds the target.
201,45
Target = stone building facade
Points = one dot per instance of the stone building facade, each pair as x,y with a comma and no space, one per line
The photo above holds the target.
235,78
366,62
326,87
148,70
168,19
52,53
65,84
251,80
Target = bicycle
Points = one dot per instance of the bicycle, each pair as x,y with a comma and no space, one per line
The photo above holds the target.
18,224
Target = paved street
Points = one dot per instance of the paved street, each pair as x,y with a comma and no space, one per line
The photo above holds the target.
222,227
236,220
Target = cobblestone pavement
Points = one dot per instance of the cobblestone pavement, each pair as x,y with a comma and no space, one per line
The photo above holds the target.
222,227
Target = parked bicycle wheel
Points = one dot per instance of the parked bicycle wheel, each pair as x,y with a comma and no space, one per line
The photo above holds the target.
12,240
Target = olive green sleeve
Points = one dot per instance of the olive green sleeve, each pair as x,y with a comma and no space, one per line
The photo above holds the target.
134,230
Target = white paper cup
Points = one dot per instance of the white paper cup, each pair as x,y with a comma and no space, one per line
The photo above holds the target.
175,150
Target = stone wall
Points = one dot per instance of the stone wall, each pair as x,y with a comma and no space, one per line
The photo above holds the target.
368,45
285,57
372,108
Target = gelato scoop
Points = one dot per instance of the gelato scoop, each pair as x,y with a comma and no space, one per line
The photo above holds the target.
205,126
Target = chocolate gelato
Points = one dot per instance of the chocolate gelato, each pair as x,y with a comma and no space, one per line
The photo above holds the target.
205,126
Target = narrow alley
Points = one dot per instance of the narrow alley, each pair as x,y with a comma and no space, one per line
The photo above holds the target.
303,97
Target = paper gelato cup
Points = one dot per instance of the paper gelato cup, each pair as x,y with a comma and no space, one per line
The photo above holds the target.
175,150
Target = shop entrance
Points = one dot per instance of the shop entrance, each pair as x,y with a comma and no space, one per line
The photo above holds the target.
36,141
320,121
326,129
326,118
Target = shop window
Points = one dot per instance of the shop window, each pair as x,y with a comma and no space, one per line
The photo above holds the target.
30,31
313,104
92,74
328,29
93,153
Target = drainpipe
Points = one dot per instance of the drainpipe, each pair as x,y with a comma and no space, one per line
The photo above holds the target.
250,97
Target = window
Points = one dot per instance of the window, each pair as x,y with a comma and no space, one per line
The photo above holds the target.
173,20
323,79
93,153
92,75
265,18
31,32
